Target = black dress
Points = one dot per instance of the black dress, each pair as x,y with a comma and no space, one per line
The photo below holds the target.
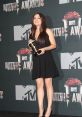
44,65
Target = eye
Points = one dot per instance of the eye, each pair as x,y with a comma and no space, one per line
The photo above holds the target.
39,18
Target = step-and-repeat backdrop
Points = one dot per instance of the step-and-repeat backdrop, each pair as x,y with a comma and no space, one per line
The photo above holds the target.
17,89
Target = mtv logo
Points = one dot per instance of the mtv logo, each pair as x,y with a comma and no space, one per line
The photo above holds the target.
78,0
21,32
25,92
71,23
73,89
68,1
71,60
63,1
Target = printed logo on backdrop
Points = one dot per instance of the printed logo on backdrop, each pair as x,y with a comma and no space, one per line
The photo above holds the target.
72,25
23,55
72,94
27,93
68,1
22,32
1,94
24,61
22,5
71,60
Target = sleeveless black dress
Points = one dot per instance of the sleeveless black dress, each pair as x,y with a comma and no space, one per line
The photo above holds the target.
43,65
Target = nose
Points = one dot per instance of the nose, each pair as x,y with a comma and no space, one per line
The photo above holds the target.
36,19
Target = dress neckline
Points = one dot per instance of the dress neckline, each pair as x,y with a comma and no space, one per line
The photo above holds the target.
37,37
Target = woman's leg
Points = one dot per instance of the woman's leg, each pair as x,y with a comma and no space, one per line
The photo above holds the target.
40,94
49,89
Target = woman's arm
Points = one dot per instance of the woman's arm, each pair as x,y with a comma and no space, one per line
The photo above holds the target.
51,39
52,42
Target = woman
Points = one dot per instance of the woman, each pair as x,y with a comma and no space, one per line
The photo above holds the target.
44,68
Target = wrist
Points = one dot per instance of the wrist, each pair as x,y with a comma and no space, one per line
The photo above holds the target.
45,49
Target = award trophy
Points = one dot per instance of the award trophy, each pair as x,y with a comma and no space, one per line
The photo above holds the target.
32,44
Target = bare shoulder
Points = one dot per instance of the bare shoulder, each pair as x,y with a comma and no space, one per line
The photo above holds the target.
51,36
49,31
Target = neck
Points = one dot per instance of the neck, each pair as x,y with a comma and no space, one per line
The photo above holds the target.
38,28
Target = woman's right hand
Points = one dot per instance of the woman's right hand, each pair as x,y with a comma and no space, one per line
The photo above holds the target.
30,41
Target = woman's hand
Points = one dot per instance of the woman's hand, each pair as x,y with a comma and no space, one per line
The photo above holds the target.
30,41
42,51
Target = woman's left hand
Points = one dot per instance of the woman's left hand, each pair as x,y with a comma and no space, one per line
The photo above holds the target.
42,51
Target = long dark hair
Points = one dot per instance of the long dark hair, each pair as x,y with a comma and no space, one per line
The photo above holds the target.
43,25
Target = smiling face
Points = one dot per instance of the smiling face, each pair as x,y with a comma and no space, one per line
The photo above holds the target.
37,21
